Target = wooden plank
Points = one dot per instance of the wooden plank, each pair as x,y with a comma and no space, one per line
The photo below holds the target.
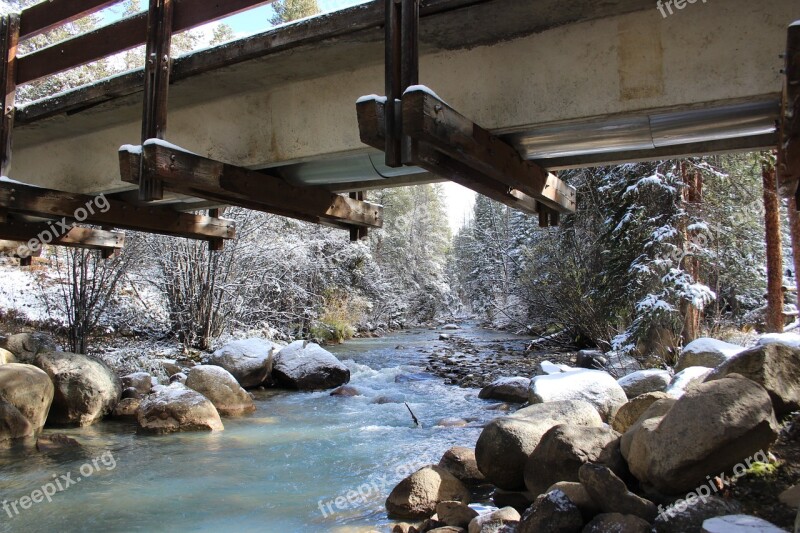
49,14
9,39
24,199
789,127
121,36
428,119
74,236
215,245
235,185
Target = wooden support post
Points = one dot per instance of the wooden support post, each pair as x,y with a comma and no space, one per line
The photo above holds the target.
394,89
25,261
9,39
215,245
789,124
358,233
158,65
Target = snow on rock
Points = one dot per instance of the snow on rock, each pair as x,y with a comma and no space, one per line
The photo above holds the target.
707,352
177,408
685,378
739,524
249,360
306,365
645,381
507,390
788,339
593,386
548,368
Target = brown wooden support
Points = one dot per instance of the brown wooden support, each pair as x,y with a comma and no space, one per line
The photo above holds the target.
45,16
157,69
789,127
24,199
25,261
215,245
9,39
74,236
358,233
394,90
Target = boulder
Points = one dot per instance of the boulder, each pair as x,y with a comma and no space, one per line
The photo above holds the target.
651,417
645,381
456,514
493,521
553,512
249,360
612,495
518,499
347,391
127,408
180,377
629,413
451,327
593,386
739,524
306,365
177,408
86,389
711,429
592,359
506,442
219,386
564,448
616,522
13,425
460,461
686,379
619,365
513,390
706,352
130,392
141,381
27,392
547,368
26,346
776,367
790,497
578,495
687,516
417,495
6,357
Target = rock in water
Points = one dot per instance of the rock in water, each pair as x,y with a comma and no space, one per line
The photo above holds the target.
706,352
219,386
460,461
55,442
739,524
455,514
28,393
494,521
86,389
177,408
712,428
593,386
506,442
553,512
141,381
307,366
564,448
645,381
417,495
513,390
248,360
776,367
127,408
26,346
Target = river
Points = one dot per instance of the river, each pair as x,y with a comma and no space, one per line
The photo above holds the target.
280,469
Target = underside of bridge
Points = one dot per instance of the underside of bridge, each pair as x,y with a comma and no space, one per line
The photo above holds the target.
279,122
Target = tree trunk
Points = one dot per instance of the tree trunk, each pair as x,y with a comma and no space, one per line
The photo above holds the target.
772,223
692,197
794,229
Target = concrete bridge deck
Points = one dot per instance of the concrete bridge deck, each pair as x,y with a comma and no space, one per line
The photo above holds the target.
569,82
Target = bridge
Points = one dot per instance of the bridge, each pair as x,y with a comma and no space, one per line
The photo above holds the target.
518,89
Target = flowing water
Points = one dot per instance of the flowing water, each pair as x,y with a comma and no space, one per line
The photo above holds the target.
301,462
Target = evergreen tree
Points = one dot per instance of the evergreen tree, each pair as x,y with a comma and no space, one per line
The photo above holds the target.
289,10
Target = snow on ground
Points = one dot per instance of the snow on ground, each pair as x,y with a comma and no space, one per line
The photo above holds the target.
21,290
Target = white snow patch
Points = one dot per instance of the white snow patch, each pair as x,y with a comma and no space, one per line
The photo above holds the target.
552,368
131,148
165,144
681,381
421,88
371,98
707,344
789,339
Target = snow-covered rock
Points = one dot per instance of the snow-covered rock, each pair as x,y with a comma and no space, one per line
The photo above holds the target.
507,390
177,408
620,365
548,368
142,382
26,346
219,386
249,360
739,524
706,352
791,340
593,386
644,381
552,511
306,365
685,378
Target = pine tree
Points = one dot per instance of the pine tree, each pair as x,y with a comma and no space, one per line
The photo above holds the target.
289,10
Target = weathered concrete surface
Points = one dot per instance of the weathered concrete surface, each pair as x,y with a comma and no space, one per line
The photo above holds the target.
621,59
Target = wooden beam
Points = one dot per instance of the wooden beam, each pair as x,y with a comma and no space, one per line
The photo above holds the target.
183,172
25,199
74,236
49,14
429,119
120,36
215,245
789,127
9,39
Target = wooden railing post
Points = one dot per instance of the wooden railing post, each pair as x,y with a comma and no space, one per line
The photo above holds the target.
9,39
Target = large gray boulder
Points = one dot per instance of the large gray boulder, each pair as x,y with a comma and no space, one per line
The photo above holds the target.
629,414
460,461
306,365
593,386
219,386
651,417
712,428
706,352
776,367
553,512
506,443
86,389
612,495
564,448
417,495
495,521
513,390
26,346
249,360
645,381
27,392
177,408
